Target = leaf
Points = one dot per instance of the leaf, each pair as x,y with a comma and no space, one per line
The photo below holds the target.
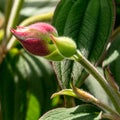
68,92
89,23
82,112
114,55
20,76
33,108
115,63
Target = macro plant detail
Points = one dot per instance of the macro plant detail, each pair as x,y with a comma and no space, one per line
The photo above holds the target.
67,59
42,39
35,33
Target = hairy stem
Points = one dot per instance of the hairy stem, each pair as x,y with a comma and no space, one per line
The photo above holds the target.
93,71
111,117
106,107
37,18
87,97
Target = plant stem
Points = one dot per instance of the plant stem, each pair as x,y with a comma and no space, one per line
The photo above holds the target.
105,107
93,71
8,8
69,102
7,13
12,12
37,18
87,97
116,32
111,117
13,18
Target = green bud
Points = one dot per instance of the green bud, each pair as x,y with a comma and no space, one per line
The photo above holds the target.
66,46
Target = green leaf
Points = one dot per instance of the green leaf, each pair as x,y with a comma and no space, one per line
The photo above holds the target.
89,23
82,112
33,109
68,92
20,76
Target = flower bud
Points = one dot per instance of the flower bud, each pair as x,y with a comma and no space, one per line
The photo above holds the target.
42,39
66,46
36,39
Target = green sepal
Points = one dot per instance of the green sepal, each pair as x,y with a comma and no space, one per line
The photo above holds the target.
54,56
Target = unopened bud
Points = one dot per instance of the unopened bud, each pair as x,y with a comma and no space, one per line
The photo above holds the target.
42,39
36,38
66,46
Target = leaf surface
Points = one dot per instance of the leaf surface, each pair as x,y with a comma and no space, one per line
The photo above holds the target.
82,112
89,23
23,75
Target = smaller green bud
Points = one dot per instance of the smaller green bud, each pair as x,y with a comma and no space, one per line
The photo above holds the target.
66,46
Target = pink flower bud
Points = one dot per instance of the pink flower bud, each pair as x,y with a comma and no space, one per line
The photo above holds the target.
36,38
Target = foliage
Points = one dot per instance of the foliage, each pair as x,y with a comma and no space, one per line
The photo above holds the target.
86,83
26,81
